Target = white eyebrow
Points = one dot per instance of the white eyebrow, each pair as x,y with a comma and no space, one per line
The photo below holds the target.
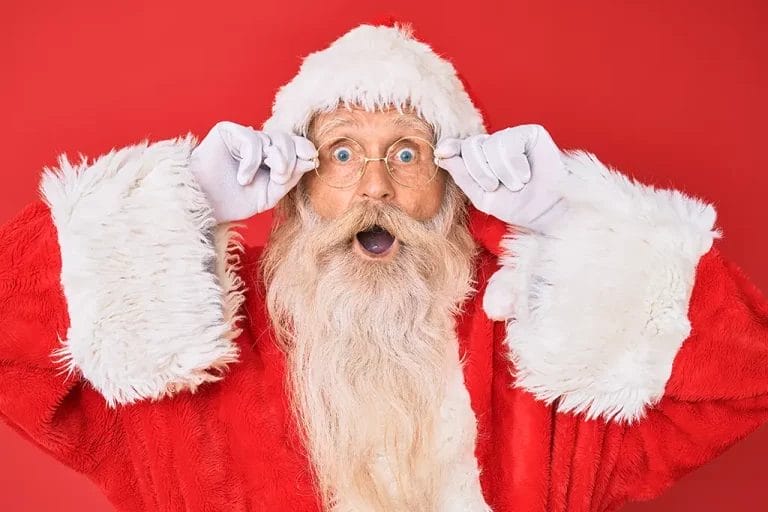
334,123
407,122
413,123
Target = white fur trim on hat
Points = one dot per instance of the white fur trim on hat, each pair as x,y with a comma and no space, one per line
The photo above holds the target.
597,308
149,316
373,67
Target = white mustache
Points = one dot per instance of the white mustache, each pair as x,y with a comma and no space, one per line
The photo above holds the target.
362,216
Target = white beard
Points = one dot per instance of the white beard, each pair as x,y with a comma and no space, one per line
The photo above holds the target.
371,348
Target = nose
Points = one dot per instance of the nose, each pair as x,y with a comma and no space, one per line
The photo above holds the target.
376,183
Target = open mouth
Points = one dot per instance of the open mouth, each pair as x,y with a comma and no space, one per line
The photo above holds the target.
376,241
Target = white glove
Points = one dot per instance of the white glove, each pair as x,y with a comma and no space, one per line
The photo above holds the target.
511,174
244,172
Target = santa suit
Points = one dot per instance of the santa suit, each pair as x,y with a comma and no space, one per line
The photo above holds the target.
598,360
626,365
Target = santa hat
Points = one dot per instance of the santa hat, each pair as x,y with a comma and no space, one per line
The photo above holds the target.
373,67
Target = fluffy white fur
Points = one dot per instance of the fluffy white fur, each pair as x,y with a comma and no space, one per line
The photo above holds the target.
148,314
596,308
372,67
455,440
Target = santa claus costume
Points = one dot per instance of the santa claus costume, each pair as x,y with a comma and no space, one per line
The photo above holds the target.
605,359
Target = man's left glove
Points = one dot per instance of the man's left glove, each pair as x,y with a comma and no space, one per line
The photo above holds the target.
243,172
512,174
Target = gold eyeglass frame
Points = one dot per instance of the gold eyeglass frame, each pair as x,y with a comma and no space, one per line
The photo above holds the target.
367,159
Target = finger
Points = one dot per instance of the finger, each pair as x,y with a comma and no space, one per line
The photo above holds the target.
509,165
226,130
305,149
448,148
246,146
256,191
246,167
266,193
519,140
543,153
477,166
276,191
235,137
280,157
456,167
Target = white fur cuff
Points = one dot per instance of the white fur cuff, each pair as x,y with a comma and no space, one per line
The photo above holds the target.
596,308
146,308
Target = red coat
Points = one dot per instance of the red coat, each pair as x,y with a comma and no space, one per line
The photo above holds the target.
232,445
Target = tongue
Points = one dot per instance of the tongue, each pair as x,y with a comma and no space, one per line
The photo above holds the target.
376,240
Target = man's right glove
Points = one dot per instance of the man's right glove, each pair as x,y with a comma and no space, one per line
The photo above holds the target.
243,172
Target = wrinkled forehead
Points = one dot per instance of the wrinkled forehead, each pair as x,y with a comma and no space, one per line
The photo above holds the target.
359,123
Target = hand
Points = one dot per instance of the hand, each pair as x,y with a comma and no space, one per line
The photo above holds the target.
244,172
511,174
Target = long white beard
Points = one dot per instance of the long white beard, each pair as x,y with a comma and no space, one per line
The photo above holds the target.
368,347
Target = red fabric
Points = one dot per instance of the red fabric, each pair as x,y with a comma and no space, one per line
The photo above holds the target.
487,230
233,445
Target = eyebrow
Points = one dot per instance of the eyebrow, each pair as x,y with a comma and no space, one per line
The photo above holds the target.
413,123
406,122
336,122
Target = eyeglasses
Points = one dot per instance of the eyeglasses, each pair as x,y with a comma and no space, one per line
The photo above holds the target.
410,161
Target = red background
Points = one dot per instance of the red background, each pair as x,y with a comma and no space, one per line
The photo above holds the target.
673,92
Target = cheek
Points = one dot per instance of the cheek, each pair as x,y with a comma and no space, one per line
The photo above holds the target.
328,202
423,204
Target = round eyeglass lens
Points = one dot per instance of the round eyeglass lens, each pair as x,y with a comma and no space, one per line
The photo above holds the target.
411,162
340,162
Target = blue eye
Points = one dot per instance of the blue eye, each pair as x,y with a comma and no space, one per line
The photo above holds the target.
342,154
406,156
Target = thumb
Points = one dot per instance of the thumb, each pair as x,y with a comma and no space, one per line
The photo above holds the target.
303,166
448,148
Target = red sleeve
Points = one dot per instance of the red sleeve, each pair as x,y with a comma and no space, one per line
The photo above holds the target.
60,413
718,390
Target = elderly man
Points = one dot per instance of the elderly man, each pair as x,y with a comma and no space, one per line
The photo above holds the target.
570,341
